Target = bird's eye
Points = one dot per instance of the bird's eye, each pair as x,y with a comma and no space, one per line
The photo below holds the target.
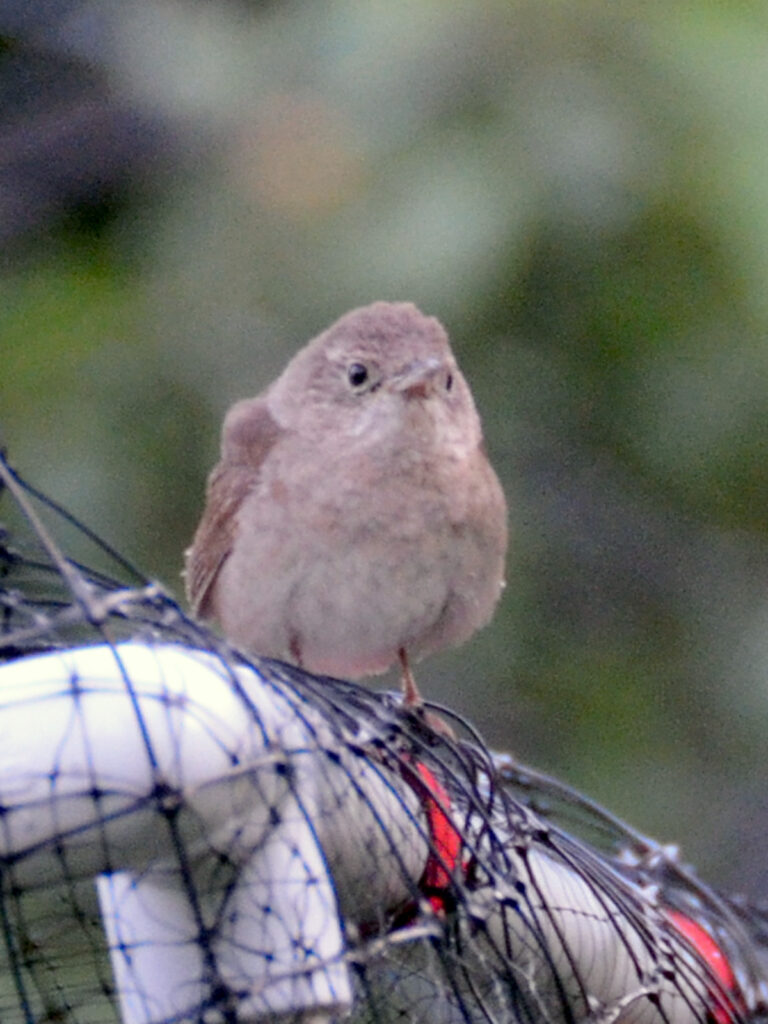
449,382
357,374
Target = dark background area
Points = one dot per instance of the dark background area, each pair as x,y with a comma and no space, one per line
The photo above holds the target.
189,191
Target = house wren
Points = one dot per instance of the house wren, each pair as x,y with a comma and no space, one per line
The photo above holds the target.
353,519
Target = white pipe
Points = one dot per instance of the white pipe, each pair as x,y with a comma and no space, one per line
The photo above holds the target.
124,760
235,831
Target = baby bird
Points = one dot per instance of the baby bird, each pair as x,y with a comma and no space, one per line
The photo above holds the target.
354,520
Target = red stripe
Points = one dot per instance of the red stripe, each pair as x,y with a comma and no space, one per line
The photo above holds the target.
713,956
443,858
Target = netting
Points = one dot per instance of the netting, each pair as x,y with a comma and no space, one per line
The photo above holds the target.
187,834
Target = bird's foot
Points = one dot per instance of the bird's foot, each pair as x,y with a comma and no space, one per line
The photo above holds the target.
411,697
413,701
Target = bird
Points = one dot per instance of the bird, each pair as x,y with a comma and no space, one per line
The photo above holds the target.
354,520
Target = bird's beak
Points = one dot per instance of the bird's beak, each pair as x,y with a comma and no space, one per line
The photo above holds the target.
416,379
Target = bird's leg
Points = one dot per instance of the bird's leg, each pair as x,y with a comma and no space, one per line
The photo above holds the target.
295,650
413,701
411,696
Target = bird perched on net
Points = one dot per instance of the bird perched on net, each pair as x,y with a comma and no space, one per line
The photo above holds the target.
354,520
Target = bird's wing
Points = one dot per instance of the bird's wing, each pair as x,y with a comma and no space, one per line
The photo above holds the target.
250,433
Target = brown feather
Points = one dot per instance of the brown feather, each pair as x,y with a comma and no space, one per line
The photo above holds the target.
249,434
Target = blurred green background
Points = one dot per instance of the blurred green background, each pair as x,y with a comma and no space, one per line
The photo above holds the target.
189,190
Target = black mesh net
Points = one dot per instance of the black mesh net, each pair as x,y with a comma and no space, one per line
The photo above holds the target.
187,834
